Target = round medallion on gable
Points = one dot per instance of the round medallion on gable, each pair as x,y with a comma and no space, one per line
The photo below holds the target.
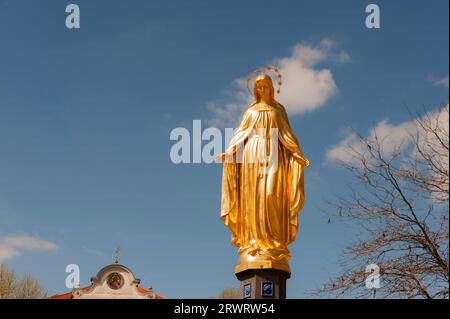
115,281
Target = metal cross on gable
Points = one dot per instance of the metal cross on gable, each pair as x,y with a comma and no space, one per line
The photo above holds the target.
116,255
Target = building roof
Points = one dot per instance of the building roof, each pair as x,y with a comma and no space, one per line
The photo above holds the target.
114,281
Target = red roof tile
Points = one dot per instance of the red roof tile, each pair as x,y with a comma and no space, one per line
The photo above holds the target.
69,295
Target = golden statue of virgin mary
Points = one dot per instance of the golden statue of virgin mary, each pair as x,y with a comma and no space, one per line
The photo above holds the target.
262,183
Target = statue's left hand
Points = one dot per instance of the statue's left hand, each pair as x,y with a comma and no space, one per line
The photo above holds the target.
303,161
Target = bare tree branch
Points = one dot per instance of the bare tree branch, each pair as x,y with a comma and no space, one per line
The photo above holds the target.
400,207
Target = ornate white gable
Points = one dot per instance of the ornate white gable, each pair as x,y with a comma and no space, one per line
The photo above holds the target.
114,281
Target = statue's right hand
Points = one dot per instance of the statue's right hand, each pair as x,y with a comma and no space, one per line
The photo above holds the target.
221,157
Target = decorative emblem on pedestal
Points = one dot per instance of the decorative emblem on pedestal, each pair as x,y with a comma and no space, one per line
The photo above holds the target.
267,289
247,291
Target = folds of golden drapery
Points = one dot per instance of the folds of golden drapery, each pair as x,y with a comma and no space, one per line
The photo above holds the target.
233,190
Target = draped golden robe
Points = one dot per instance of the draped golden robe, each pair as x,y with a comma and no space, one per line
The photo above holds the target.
259,206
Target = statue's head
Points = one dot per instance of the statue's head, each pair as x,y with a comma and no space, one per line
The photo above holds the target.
263,88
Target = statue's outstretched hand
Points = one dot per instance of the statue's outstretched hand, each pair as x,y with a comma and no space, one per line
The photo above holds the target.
303,161
221,157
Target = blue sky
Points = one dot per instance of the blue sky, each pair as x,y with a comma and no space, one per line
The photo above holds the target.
85,118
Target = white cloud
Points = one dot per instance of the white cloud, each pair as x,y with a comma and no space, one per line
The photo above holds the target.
93,251
390,136
7,253
398,138
439,81
306,87
429,142
13,246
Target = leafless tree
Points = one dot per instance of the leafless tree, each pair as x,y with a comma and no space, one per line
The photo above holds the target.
399,202
13,288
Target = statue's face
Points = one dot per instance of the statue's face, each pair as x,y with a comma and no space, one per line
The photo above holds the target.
263,88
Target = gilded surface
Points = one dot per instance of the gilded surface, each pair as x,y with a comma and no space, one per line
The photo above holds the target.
262,183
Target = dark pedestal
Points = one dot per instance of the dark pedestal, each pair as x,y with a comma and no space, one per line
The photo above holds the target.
263,283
